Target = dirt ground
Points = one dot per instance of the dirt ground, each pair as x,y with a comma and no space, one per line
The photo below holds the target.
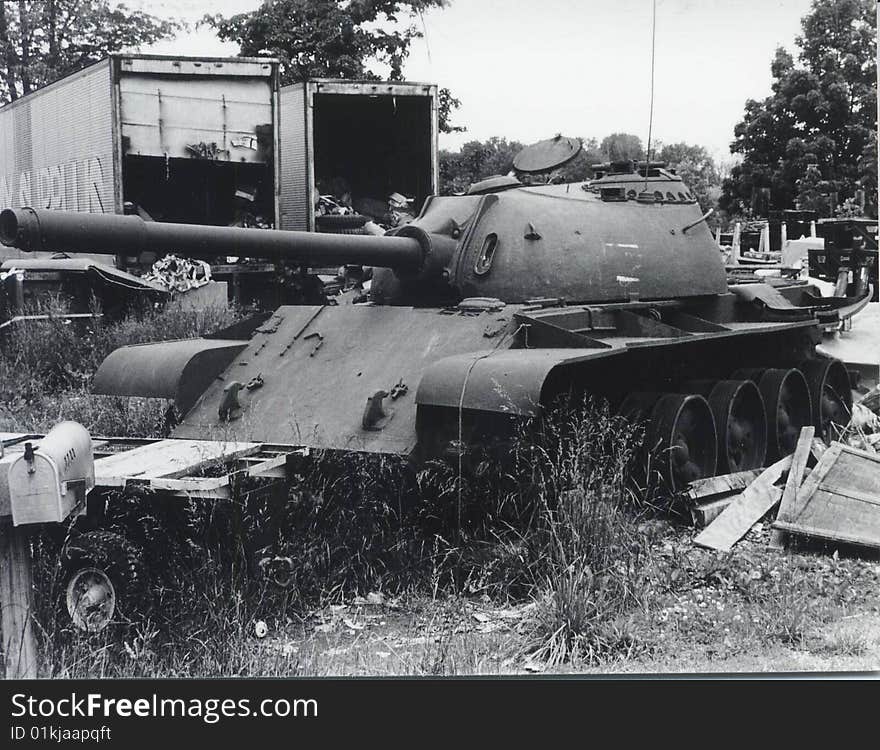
752,610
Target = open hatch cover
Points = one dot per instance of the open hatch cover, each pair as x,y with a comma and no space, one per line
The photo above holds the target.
545,156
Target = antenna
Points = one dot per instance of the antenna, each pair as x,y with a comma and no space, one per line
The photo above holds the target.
651,108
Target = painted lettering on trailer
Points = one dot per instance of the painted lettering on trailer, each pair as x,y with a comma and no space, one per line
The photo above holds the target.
72,186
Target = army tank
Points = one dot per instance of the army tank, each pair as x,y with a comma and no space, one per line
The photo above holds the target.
481,313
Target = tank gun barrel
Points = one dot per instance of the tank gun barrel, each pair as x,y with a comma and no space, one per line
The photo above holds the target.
75,232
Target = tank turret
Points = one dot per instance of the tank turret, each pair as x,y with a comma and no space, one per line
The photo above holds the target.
559,241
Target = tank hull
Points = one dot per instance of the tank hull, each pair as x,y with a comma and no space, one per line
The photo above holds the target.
413,382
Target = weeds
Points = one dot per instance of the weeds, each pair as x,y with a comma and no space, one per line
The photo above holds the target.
588,558
46,367
559,523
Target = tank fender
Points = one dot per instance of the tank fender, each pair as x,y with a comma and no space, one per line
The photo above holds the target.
508,381
180,370
769,303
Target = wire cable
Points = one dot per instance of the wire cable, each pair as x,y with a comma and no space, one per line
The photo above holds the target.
651,108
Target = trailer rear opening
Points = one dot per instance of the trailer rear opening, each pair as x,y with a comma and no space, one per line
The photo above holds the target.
378,144
373,137
198,191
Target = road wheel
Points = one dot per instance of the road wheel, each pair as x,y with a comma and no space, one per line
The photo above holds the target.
105,581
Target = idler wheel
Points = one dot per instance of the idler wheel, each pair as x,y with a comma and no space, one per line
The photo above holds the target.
682,427
830,394
787,403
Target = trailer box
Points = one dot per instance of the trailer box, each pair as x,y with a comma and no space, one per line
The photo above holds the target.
178,139
378,137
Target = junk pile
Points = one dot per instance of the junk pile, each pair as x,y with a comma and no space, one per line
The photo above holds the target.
830,493
179,274
331,205
368,215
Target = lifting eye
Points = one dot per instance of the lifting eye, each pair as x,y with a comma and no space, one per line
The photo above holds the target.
487,253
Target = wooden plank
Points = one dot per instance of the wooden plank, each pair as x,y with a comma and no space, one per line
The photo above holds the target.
840,501
166,459
735,520
818,449
703,488
793,483
274,467
16,585
816,476
823,533
702,515
7,437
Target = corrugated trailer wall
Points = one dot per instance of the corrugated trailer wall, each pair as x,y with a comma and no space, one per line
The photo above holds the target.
296,163
56,146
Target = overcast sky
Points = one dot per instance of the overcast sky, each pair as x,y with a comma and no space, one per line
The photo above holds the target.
527,70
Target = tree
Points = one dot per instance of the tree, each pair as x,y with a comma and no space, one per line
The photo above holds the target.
334,39
622,147
696,167
581,167
814,135
446,103
475,161
43,41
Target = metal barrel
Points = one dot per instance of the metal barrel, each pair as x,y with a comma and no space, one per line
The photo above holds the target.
45,230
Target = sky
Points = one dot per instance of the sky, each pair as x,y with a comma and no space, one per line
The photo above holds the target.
528,69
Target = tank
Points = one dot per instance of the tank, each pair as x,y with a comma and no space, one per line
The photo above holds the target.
481,312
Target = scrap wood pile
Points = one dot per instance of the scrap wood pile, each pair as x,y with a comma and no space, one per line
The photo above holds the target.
179,274
830,493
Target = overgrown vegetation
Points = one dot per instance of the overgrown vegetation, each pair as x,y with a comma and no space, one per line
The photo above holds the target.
558,533
46,367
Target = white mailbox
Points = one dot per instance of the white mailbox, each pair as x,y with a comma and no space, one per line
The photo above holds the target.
51,476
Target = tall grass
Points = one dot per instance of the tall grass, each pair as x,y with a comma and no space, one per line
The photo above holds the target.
46,367
555,522
589,557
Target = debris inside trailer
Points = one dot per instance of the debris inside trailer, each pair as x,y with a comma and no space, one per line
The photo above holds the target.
179,274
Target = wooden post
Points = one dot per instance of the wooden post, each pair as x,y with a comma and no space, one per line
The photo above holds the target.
19,647
236,288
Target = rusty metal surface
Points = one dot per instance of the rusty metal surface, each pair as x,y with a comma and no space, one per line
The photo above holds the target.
80,265
547,155
179,370
321,365
507,381
562,241
36,229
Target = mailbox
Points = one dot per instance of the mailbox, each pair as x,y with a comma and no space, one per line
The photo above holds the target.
51,476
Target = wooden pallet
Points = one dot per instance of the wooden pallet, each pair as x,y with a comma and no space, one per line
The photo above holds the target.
839,501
